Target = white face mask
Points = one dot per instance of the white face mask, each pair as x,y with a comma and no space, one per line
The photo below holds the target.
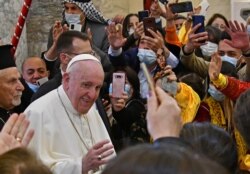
231,60
131,31
209,48
146,56
248,29
72,18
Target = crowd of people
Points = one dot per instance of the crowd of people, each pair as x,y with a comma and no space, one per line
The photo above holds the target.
60,114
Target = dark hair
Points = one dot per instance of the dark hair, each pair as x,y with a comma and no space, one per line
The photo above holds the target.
126,23
163,159
213,142
241,116
215,16
225,35
65,40
21,160
24,62
214,34
132,78
196,82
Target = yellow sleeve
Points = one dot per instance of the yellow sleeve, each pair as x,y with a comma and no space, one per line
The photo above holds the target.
183,34
189,102
221,82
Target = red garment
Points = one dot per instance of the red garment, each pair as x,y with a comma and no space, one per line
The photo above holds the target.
147,4
203,114
235,88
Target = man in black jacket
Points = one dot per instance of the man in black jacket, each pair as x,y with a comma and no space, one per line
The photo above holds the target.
10,86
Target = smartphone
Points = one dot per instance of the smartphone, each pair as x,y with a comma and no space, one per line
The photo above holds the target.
151,84
181,7
41,81
118,84
143,14
199,19
164,1
149,23
77,27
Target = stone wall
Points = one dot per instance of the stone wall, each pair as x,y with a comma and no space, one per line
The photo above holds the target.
9,12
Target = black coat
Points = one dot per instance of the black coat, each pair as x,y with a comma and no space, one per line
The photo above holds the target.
4,116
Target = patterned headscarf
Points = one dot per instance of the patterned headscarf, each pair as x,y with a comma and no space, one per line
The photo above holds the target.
90,11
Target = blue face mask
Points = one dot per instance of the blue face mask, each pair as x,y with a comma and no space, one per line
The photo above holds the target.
248,29
127,88
146,56
231,60
217,95
33,87
72,18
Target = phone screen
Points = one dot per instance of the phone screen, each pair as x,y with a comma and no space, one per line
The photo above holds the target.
149,23
196,20
118,84
143,14
181,7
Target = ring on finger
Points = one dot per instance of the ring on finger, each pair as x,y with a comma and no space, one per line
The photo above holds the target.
19,139
99,157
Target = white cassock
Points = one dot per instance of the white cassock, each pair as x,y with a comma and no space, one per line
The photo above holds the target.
57,128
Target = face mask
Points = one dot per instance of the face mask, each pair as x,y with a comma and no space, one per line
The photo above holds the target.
146,56
217,95
248,29
127,89
231,60
131,31
33,87
157,20
72,18
209,49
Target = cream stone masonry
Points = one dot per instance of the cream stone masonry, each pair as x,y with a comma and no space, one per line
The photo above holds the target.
9,12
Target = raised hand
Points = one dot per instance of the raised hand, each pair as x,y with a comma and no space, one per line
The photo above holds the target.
169,15
116,40
14,133
156,10
58,29
139,30
156,42
118,19
214,67
194,39
239,35
97,156
163,116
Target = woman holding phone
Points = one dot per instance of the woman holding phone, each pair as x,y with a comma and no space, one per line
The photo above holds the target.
128,112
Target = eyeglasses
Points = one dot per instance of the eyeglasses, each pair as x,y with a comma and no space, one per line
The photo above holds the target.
229,53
